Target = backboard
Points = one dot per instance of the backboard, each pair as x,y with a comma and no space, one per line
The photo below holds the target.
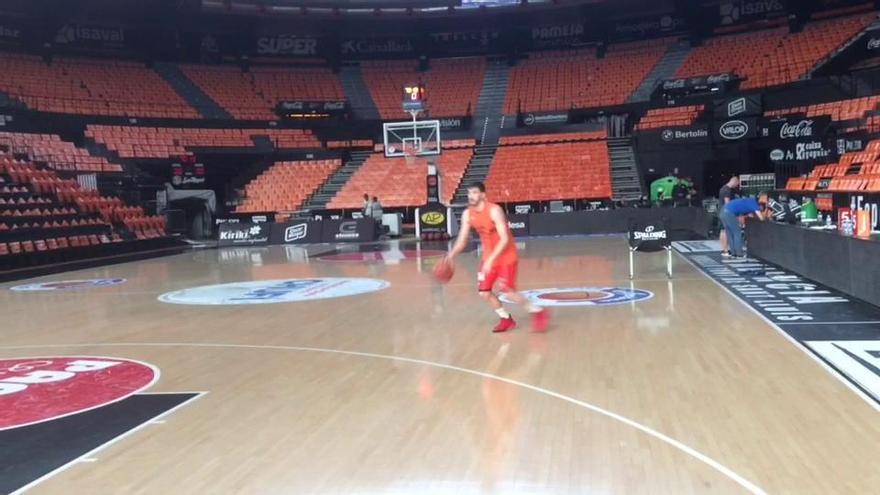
415,137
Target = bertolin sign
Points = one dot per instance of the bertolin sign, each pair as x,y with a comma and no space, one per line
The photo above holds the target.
689,134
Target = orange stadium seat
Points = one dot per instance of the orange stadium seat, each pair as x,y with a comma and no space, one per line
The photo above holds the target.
538,172
55,153
774,56
838,110
561,80
286,185
453,85
667,117
164,142
398,184
90,87
255,94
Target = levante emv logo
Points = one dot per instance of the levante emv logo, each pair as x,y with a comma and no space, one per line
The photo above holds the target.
585,296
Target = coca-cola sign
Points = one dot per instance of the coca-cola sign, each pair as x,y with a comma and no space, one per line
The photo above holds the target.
803,128
811,128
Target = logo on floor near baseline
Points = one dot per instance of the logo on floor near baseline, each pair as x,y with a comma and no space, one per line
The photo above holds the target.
584,296
38,389
274,291
69,284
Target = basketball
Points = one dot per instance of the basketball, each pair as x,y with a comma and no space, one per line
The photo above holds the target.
444,270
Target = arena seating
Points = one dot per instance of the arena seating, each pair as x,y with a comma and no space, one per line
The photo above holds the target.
41,212
90,87
774,56
255,94
286,185
55,153
453,85
561,80
563,137
398,184
164,142
854,172
349,144
668,117
540,172
838,110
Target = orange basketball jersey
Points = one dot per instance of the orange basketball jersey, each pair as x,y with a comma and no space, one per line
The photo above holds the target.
482,222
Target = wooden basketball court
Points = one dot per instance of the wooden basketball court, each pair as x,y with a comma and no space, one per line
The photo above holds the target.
404,390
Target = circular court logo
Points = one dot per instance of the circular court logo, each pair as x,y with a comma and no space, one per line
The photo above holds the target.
584,296
69,284
274,291
37,389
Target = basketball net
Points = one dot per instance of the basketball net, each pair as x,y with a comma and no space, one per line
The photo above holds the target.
409,154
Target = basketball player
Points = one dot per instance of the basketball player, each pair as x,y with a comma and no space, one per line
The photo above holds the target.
499,262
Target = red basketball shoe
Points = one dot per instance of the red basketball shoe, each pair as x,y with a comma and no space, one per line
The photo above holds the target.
504,325
540,320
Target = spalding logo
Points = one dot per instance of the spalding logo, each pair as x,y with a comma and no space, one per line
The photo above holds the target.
433,218
38,389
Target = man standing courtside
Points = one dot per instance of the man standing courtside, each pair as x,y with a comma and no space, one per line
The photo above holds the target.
740,208
726,195
499,261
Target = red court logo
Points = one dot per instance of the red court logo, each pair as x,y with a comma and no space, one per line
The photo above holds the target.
37,389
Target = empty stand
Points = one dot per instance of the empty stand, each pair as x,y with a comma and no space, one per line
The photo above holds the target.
561,80
164,142
854,172
255,94
40,212
668,117
838,110
563,137
453,85
90,87
397,184
286,185
540,172
774,56
55,153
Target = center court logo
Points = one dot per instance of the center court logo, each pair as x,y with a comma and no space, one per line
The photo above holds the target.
274,291
584,296
69,284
